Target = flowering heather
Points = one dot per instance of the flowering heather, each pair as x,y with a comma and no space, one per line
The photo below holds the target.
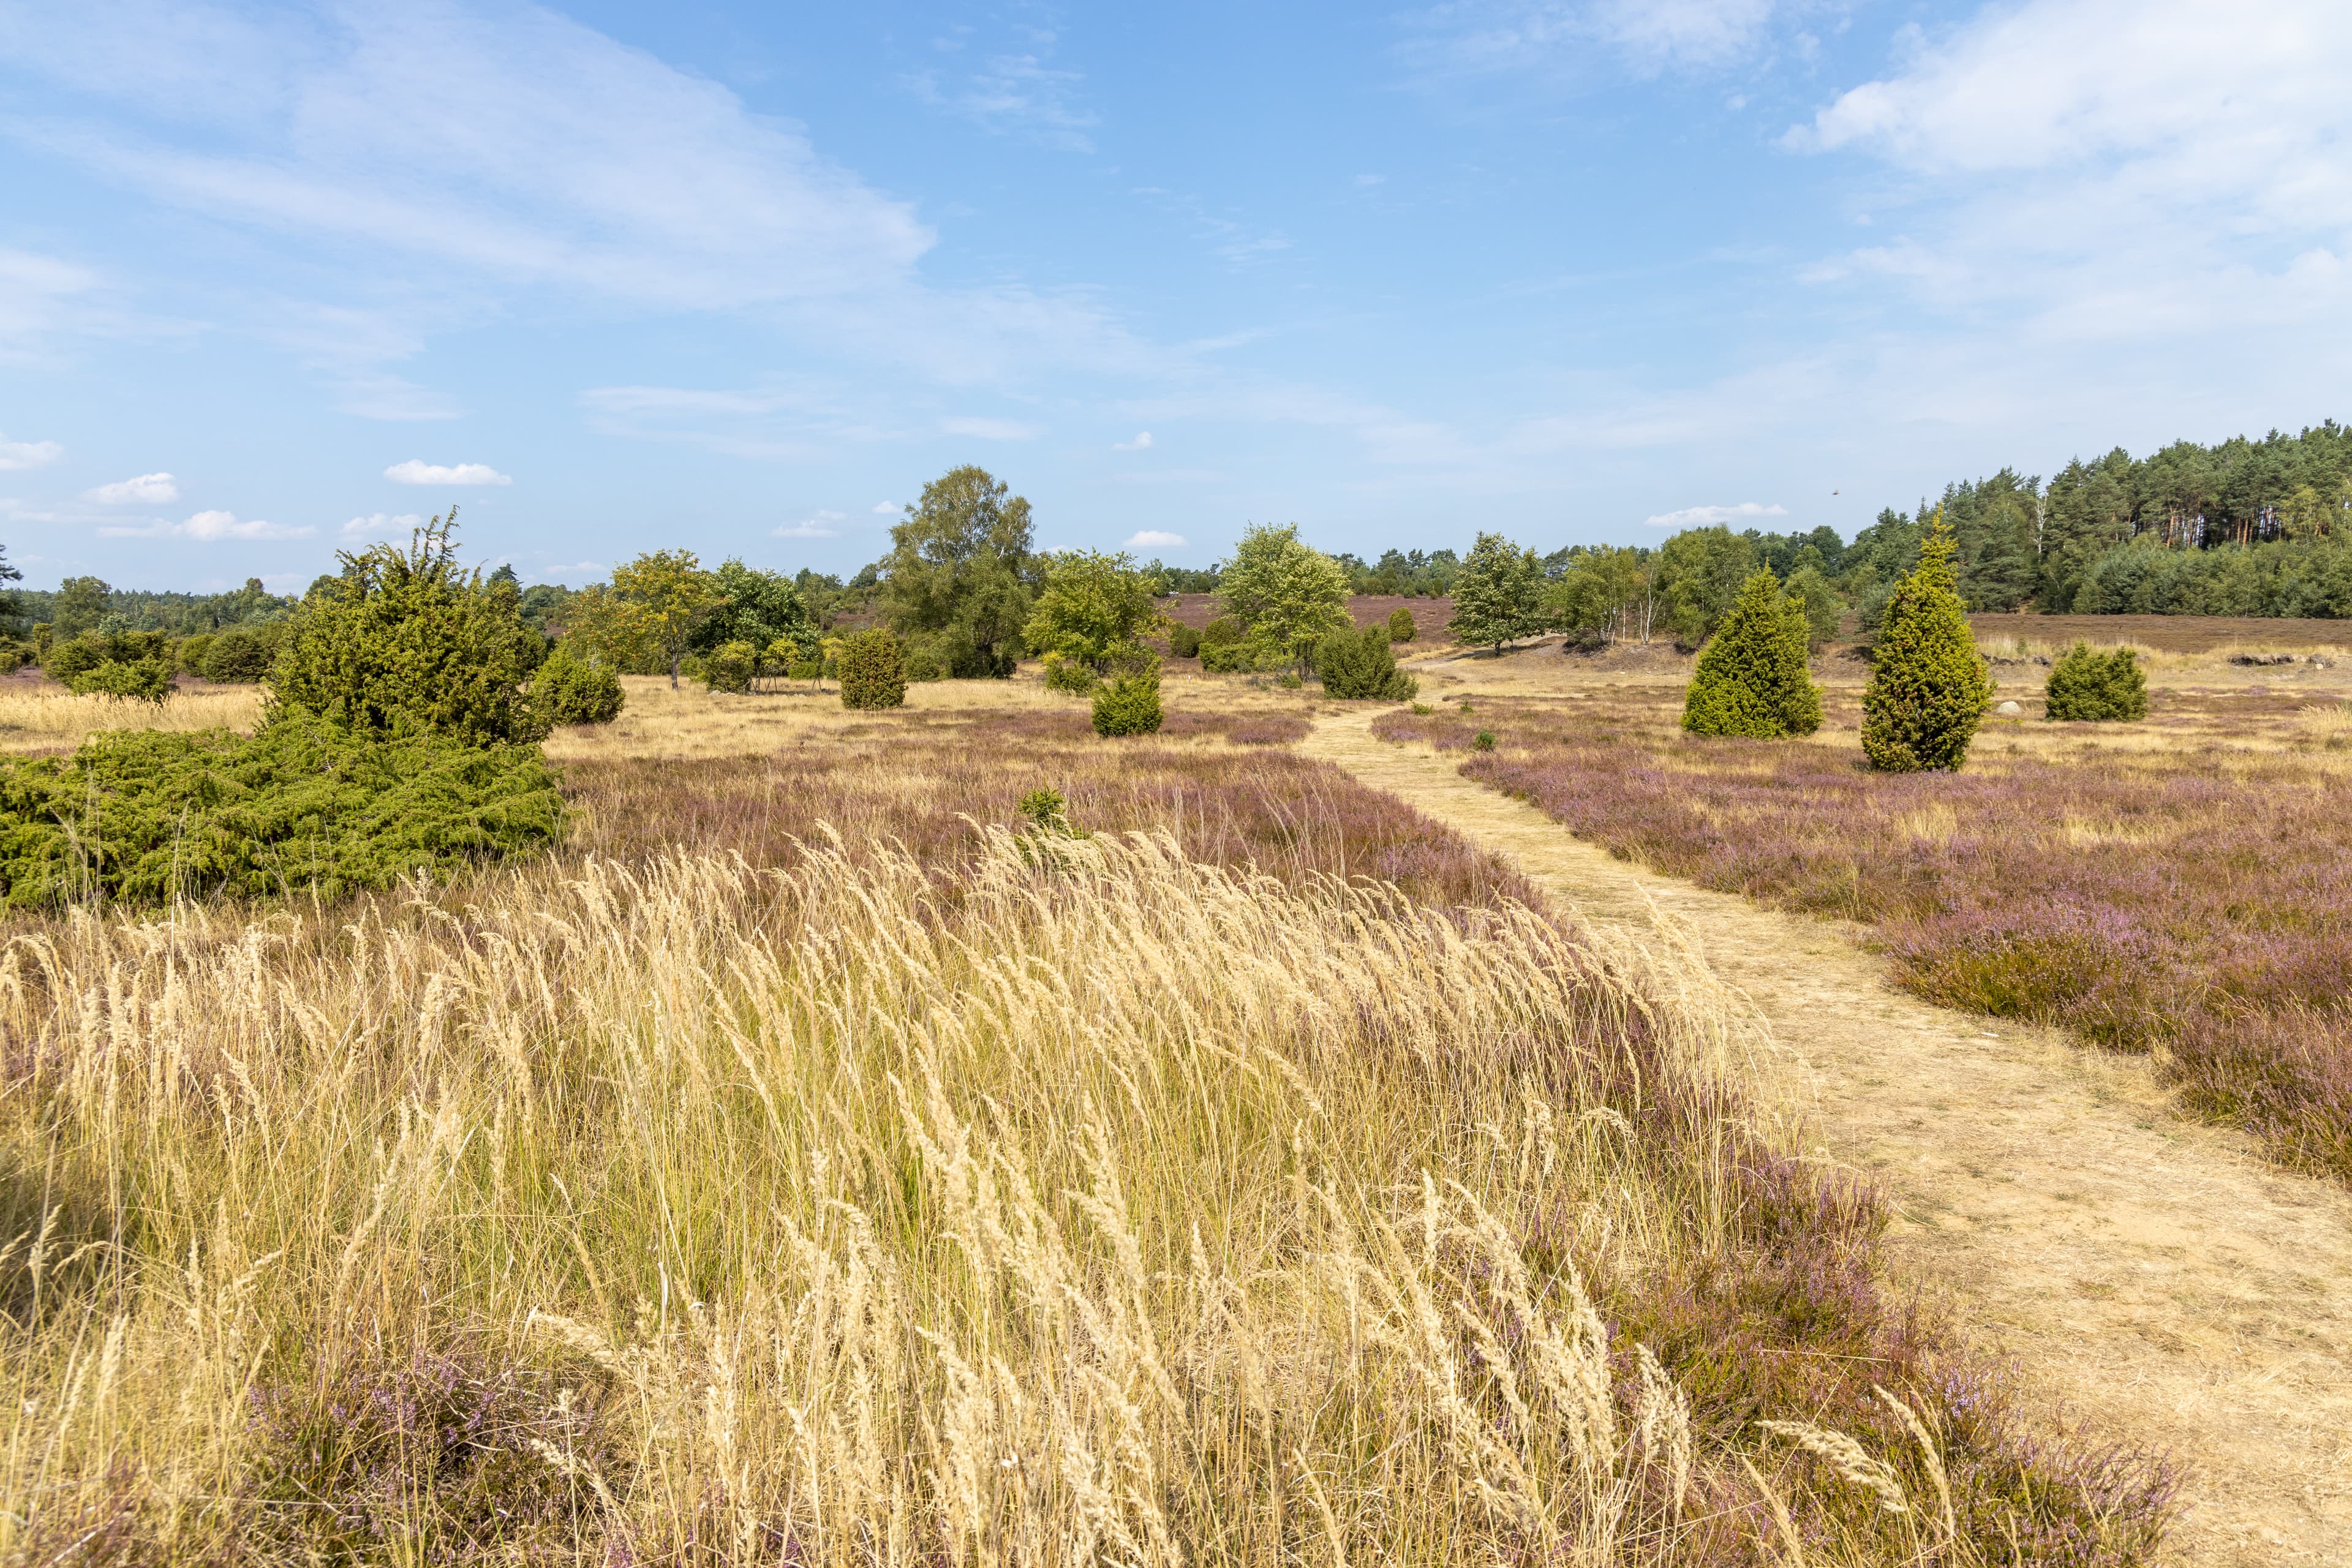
2186,890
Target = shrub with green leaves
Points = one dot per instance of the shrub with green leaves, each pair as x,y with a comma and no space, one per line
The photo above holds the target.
1070,674
568,690
873,672
1129,704
1184,641
236,657
140,817
1928,687
1401,626
138,681
730,667
924,662
1751,678
2088,686
1359,664
1225,631
404,642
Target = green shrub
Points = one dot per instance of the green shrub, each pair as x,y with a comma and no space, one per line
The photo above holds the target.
191,652
2088,686
142,817
1484,741
1228,659
568,690
237,657
872,674
404,643
139,679
1184,641
1359,664
729,668
1223,632
923,663
1751,678
1129,704
1928,688
1401,626
1071,675
807,669
68,661
1048,811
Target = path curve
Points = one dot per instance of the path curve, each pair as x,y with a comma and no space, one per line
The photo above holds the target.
2169,1288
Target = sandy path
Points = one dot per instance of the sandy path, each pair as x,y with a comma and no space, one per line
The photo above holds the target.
2167,1286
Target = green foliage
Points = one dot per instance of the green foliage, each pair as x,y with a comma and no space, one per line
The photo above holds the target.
1700,572
142,817
73,661
1286,591
141,680
658,606
1401,626
729,668
1605,592
236,657
1484,741
1092,603
79,605
2085,685
1225,631
1822,607
872,674
404,642
959,571
1751,678
1229,658
1048,811
568,690
1928,688
1129,704
1183,641
1071,675
1359,664
1498,595
755,607
923,663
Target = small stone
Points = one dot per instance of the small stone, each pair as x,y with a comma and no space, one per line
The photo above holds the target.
2010,710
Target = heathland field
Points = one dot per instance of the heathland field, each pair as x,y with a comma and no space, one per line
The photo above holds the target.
818,1158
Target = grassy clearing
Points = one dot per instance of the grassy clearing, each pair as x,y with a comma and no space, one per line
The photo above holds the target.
42,716
2182,886
966,1197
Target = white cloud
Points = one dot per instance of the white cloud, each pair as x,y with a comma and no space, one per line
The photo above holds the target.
382,525
28,454
210,527
1016,92
1482,36
886,509
824,525
1153,539
992,429
151,489
417,471
1143,441
1708,516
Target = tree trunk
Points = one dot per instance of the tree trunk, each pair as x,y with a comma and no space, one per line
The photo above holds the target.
674,655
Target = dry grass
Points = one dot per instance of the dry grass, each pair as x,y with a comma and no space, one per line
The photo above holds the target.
42,716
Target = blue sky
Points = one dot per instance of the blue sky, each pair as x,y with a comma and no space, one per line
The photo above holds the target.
740,278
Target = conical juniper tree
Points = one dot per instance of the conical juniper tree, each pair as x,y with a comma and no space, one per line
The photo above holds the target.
1751,680
1929,686
2086,685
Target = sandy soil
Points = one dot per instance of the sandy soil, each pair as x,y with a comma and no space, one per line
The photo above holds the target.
2157,1279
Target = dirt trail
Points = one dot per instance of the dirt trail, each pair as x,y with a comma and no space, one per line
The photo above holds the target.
2169,1288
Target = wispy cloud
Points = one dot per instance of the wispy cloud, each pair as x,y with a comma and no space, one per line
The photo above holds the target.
1708,516
149,490
1015,92
992,429
1550,38
1153,539
382,525
28,454
417,471
209,528
1142,442
886,509
823,525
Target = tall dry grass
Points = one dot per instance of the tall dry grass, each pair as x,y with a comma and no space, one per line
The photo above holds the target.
41,716
1086,1204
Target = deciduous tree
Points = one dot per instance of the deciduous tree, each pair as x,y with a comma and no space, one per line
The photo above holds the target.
1498,595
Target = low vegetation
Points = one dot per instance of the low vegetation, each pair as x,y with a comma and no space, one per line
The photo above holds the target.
2090,687
872,673
2183,891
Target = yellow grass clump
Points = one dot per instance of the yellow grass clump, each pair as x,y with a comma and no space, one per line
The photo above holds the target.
47,717
1089,1204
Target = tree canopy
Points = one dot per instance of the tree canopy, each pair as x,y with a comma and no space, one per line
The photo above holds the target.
1286,591
960,574
1498,594
1093,605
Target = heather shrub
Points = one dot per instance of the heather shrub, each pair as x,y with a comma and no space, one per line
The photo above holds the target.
2088,686
729,668
235,656
142,817
1928,688
1129,704
1184,641
568,690
1751,678
404,642
871,671
1401,626
1071,675
1356,664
